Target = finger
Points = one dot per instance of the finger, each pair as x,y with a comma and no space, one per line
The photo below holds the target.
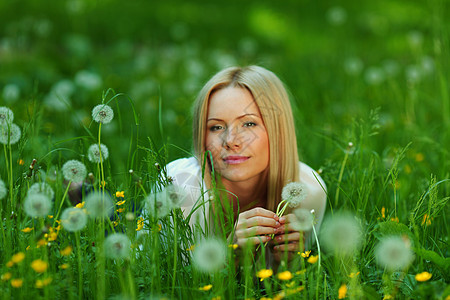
293,246
289,218
253,231
290,237
258,211
253,240
257,221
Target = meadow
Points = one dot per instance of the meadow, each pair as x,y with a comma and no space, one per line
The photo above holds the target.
369,86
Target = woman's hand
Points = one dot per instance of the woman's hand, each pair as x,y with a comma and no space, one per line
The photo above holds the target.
255,226
286,239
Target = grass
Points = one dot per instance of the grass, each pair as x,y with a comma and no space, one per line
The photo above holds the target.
381,146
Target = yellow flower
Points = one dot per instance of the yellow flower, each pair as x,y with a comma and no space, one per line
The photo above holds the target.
395,219
296,290
122,202
7,276
190,248
40,283
216,298
66,251
9,264
342,291
64,266
300,272
234,246
140,224
383,212
50,216
18,257
424,276
426,220
286,275
353,275
305,254
265,298
419,157
264,273
39,265
313,259
120,194
51,236
387,296
20,162
119,210
27,229
41,242
16,283
206,287
80,205
279,296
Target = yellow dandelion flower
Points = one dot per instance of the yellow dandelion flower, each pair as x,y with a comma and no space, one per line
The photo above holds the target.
122,202
286,275
27,229
140,224
342,291
264,273
279,296
66,251
383,213
80,205
103,183
216,298
20,162
16,283
7,276
426,220
313,259
387,296
395,219
353,275
52,236
64,266
28,247
206,287
40,283
119,210
424,276
300,272
305,254
296,290
192,247
419,157
9,264
265,298
120,194
41,242
18,257
39,265
115,223
50,216
234,246
290,284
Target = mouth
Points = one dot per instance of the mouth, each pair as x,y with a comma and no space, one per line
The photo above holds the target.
235,159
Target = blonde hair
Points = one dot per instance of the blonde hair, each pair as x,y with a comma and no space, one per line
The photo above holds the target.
272,100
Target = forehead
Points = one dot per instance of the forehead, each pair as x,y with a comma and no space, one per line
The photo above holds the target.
232,102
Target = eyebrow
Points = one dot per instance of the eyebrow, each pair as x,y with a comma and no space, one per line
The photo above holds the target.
240,117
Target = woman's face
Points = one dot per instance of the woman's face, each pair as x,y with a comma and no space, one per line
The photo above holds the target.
236,136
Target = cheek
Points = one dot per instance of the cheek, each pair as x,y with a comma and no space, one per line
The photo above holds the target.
212,144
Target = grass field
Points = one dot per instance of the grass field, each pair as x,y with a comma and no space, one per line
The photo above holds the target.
369,85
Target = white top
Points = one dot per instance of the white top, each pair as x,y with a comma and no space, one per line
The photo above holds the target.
187,174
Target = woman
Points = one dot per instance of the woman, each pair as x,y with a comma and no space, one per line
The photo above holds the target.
244,123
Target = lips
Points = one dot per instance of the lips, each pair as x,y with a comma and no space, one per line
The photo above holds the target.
235,159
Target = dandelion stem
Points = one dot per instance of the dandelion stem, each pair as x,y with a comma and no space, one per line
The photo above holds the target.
61,203
11,194
175,253
341,173
80,270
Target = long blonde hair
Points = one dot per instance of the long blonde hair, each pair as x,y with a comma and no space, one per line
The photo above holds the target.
272,100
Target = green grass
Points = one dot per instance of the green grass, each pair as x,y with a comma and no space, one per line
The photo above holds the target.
152,59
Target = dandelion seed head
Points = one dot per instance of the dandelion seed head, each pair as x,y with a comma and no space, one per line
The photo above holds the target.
157,205
102,113
209,255
393,253
73,219
11,132
99,205
303,220
3,189
37,205
117,246
41,188
294,193
175,195
74,170
6,116
94,153
341,234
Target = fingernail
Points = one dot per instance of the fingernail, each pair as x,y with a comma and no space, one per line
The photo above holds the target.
277,224
282,219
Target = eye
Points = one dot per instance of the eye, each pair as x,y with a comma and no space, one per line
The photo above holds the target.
249,124
215,128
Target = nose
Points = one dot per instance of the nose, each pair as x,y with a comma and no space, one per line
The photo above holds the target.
231,138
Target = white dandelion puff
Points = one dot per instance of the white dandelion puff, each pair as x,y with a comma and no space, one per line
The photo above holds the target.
303,220
3,189
94,153
37,205
10,132
157,205
117,245
74,170
294,193
42,188
209,255
341,234
73,219
99,205
6,116
102,113
394,253
175,195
